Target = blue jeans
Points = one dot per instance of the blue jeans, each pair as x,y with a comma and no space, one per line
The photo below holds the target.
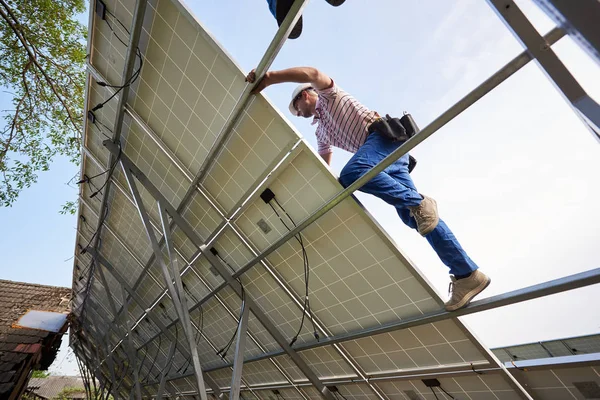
395,186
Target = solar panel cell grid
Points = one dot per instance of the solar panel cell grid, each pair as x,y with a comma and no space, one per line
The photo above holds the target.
187,90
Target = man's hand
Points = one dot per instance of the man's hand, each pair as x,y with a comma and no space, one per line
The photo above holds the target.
297,74
264,82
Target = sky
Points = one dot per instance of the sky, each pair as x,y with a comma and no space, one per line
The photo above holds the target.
515,176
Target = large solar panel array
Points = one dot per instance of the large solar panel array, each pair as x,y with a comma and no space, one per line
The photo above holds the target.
556,369
129,324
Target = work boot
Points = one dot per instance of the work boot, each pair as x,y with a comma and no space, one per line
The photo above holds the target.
426,215
463,290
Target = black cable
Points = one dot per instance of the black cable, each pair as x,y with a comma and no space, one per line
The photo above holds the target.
449,395
306,304
188,362
133,76
168,361
432,391
154,360
111,170
340,393
223,352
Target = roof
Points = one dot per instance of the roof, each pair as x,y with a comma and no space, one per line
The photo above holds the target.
21,349
51,386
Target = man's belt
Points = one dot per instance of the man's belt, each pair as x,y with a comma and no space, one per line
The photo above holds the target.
397,130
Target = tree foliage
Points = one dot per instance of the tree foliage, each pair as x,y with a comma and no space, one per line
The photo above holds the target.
40,374
42,68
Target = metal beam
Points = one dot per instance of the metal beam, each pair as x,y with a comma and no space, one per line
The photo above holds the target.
136,28
103,261
580,20
131,351
235,285
179,302
495,80
276,44
524,31
480,91
555,286
238,360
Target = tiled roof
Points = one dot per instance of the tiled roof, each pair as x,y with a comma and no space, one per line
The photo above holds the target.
50,387
22,348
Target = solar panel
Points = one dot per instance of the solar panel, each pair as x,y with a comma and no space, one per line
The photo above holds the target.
176,112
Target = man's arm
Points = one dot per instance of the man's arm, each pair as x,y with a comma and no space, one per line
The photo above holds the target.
327,157
297,74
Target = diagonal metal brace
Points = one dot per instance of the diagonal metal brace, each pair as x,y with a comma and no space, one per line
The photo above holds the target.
127,164
178,300
184,350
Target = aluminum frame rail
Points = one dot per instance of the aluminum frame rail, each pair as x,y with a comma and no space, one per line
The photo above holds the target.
130,57
572,92
103,261
510,68
176,290
524,31
495,80
131,169
580,20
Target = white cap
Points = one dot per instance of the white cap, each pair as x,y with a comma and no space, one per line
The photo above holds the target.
295,93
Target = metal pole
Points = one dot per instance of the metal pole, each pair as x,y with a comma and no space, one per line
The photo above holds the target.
163,375
555,286
129,167
238,361
131,351
181,310
523,30
580,20
138,19
103,261
484,88
184,316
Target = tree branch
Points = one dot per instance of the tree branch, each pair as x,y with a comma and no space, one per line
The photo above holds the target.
32,57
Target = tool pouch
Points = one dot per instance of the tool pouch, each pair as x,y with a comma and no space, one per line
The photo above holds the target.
398,130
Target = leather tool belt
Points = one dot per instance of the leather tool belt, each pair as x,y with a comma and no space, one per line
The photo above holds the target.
397,130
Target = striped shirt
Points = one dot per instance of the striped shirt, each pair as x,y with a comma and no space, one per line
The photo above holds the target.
342,120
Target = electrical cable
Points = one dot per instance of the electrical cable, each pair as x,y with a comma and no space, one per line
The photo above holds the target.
153,361
133,76
223,352
449,395
173,356
341,395
306,305
188,362
433,391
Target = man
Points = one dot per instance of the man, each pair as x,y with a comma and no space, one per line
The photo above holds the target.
280,8
344,122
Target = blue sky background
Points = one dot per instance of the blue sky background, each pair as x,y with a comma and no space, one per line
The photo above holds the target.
515,176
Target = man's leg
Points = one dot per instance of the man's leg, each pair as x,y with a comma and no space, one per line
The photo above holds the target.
395,186
282,7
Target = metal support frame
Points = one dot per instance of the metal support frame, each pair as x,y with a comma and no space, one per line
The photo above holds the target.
555,286
523,30
175,291
113,323
103,261
131,351
127,164
580,20
163,375
586,106
238,361
495,80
